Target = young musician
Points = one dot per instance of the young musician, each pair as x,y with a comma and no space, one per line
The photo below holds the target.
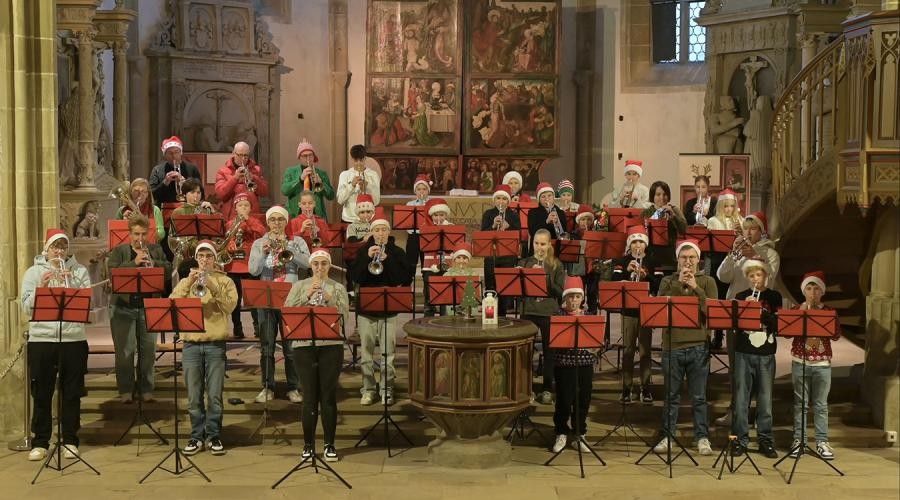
50,341
193,204
240,175
238,247
499,218
433,263
308,225
421,188
698,210
513,179
816,355
359,230
572,364
632,194
727,217
754,364
637,265
584,268
396,271
565,191
355,181
166,177
143,199
548,216
307,176
663,256
685,350
276,257
460,258
539,309
127,322
203,353
319,365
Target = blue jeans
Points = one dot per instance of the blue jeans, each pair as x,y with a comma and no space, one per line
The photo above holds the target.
204,372
753,370
129,327
692,362
817,385
269,326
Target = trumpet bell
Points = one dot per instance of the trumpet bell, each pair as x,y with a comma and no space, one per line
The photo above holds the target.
316,242
285,257
376,268
198,290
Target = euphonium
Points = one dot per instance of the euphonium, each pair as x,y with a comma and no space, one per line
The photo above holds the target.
225,256
376,267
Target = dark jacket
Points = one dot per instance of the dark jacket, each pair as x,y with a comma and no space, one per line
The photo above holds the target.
537,219
765,341
620,273
487,224
545,306
123,256
397,270
166,194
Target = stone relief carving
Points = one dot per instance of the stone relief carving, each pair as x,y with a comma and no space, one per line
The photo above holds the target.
726,127
201,31
165,38
234,30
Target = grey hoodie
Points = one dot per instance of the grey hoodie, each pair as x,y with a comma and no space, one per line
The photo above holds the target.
48,331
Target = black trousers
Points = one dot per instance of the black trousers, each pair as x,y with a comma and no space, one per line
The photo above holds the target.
504,304
543,324
564,412
319,368
44,364
236,313
413,255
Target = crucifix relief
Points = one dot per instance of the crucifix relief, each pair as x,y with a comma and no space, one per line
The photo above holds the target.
750,69
218,97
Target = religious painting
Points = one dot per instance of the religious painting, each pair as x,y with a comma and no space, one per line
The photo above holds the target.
484,174
470,375
724,172
418,372
442,369
512,36
499,375
399,172
515,116
523,371
413,37
412,115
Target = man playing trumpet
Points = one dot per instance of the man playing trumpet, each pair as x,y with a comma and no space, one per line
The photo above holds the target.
307,176
166,177
240,174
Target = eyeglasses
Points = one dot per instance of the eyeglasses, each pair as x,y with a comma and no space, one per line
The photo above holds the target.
242,155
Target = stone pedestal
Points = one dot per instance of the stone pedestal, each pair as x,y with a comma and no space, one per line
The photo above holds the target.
479,453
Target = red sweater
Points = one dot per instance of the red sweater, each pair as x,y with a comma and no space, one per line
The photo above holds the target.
824,353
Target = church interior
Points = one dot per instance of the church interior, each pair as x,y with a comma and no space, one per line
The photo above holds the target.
339,118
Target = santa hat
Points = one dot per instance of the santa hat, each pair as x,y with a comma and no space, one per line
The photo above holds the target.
584,212
307,146
422,179
320,254
753,263
691,243
636,166
462,249
171,142
817,277
727,194
437,205
208,245
636,233
759,219
379,219
53,235
573,285
365,202
543,188
239,198
276,209
503,190
565,185
512,174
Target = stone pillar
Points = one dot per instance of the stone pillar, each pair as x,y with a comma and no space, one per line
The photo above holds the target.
87,155
584,78
808,44
340,81
120,111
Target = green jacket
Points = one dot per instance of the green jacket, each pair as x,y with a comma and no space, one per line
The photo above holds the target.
123,256
292,186
682,338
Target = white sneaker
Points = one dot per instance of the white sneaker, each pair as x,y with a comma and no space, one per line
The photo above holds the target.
704,447
70,451
295,396
796,446
661,446
824,449
559,444
265,395
724,420
37,454
367,399
580,444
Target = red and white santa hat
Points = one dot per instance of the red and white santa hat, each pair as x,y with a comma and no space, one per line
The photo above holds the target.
817,277
171,142
754,263
543,188
239,198
206,245
760,220
512,174
503,190
422,179
462,249
365,202
277,209
585,211
380,219
636,166
435,205
636,232
688,243
54,234
320,254
573,284
307,146
727,194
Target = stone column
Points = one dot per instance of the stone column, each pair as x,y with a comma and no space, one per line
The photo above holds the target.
120,111
584,77
340,81
87,155
808,44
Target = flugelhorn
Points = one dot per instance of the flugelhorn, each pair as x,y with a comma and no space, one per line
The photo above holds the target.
740,243
248,180
376,267
60,273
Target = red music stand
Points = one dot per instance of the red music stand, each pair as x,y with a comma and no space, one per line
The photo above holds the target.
331,238
351,250
448,290
733,315
577,332
495,243
658,232
571,225
177,316
722,240
522,208
569,251
200,225
259,294
604,244
702,235
621,218
441,239
521,282
118,233
621,295
409,217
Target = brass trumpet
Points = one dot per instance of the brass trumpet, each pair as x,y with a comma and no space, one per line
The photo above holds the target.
179,195
740,243
499,225
142,247
376,267
248,180
199,288
315,240
315,178
283,256
625,200
60,273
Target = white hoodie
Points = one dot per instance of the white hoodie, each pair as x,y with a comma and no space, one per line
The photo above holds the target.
730,270
48,331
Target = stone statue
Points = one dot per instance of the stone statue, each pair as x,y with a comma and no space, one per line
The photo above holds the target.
751,68
758,145
68,137
726,127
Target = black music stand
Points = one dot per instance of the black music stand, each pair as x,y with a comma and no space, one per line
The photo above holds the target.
577,332
176,316
411,217
259,294
805,323
668,313
311,323
70,305
619,296
380,300
144,281
733,315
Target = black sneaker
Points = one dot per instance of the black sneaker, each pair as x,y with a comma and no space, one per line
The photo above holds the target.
625,398
330,453
646,396
307,452
215,446
767,450
737,450
193,447
718,340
